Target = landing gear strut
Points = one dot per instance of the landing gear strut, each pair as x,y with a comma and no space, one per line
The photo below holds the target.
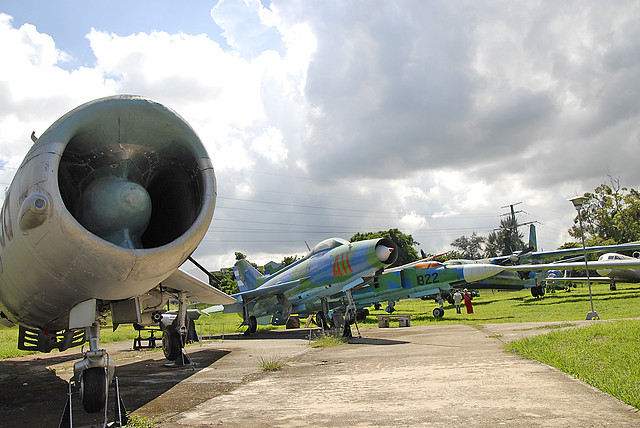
321,320
350,316
321,317
174,335
439,312
94,373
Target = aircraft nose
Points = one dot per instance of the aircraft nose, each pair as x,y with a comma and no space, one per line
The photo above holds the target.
476,272
383,252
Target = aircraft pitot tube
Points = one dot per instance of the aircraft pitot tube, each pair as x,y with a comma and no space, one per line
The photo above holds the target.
108,202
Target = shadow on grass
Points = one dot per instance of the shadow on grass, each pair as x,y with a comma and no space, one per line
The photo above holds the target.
600,296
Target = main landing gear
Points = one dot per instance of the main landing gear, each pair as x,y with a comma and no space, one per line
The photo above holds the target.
538,291
350,316
249,320
174,335
439,312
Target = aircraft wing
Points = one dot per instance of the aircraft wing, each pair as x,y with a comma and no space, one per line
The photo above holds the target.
549,255
271,290
356,283
196,290
579,279
598,264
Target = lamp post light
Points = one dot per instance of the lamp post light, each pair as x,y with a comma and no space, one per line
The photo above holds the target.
578,202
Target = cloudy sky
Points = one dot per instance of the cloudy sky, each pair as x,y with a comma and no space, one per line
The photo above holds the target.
329,118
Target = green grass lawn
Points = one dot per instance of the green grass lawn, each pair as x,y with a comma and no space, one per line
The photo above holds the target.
605,355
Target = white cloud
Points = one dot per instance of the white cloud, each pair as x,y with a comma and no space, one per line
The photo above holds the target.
269,144
427,116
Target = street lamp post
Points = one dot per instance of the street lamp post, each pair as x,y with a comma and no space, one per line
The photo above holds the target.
578,201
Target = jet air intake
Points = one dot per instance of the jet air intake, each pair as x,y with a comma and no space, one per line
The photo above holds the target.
131,172
386,251
109,202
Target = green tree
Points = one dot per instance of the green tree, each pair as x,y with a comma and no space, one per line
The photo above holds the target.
493,245
225,280
610,215
405,243
510,239
289,260
469,247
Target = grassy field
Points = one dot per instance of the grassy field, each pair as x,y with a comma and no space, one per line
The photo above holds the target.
605,355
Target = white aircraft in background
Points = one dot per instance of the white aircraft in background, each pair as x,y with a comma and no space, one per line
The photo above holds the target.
105,207
611,274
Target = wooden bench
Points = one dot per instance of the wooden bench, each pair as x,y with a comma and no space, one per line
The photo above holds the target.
403,320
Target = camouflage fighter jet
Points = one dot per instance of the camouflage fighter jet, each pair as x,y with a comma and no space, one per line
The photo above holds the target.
332,268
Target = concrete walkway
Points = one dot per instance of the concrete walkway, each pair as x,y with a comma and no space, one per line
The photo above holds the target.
453,375
448,375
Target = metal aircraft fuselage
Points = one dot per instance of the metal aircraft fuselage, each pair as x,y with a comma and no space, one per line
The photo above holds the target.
333,267
619,274
420,280
108,202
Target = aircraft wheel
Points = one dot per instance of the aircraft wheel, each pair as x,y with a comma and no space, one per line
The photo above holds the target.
321,320
438,312
534,291
171,343
542,290
362,314
612,286
93,389
253,324
347,330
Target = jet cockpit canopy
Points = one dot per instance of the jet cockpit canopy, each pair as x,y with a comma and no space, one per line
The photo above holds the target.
328,244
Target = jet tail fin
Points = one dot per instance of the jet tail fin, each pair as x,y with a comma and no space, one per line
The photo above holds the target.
248,277
533,240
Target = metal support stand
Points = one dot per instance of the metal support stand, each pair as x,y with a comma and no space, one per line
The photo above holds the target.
121,418
67,415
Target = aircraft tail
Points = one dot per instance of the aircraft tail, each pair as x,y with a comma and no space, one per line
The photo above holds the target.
533,240
248,277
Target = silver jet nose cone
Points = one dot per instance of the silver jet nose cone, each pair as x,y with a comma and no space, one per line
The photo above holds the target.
383,252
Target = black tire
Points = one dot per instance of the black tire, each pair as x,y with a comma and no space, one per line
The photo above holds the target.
253,324
362,314
346,332
612,286
321,320
438,312
534,291
93,389
171,343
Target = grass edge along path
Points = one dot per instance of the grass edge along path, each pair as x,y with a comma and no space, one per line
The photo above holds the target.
606,355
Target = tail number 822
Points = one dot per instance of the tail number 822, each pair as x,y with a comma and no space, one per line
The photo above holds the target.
427,278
